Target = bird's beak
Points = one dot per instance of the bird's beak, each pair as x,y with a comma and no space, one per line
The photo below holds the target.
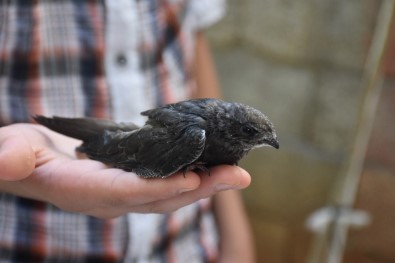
269,142
273,142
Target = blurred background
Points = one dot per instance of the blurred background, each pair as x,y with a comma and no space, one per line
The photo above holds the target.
302,63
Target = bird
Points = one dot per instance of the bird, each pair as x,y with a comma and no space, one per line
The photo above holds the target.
183,136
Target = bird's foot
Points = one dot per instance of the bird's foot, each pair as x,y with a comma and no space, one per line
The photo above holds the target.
196,166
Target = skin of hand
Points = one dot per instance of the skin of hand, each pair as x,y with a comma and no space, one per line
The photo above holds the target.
236,239
40,164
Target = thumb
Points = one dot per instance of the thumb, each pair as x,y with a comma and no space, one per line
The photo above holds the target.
17,158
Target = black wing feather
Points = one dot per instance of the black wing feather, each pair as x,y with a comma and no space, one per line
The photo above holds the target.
82,128
149,152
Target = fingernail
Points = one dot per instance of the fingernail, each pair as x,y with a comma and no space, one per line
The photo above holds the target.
223,187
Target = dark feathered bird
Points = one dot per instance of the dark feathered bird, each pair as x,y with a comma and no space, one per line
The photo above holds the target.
181,136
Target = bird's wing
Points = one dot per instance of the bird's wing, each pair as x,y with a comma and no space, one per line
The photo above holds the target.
149,152
196,107
163,152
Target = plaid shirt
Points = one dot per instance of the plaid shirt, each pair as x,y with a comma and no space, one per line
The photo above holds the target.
109,59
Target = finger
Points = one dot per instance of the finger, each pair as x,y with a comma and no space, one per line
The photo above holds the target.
223,177
111,187
151,191
16,155
135,190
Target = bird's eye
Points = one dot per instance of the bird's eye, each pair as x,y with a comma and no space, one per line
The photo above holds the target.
248,130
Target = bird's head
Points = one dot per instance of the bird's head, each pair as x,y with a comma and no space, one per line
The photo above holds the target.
250,128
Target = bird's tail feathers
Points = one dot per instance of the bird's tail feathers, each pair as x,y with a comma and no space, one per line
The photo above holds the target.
82,128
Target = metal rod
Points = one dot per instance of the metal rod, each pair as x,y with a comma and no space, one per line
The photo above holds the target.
329,245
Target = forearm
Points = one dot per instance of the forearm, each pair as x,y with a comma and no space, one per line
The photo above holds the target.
236,240
204,70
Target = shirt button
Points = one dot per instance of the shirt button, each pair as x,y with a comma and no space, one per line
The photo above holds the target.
121,60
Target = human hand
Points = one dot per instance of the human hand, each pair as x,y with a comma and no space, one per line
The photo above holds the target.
40,164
